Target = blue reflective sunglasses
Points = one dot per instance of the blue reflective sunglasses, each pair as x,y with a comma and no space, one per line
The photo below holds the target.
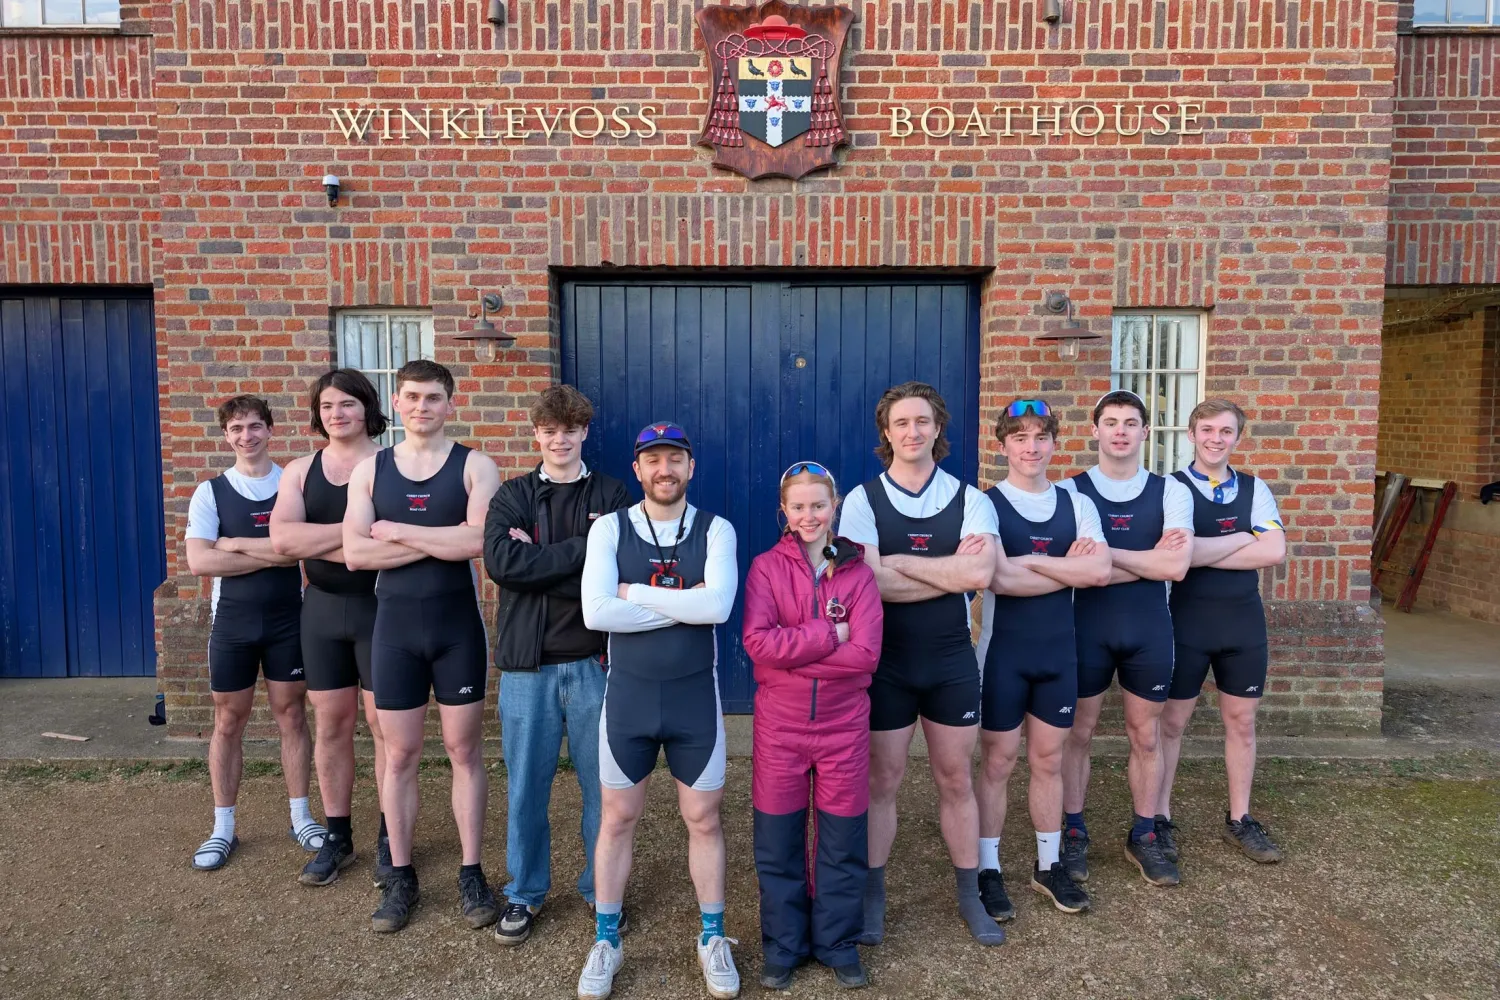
801,467
661,432
1035,407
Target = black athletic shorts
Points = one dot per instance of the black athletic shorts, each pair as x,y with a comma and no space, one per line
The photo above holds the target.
1033,675
949,698
1230,641
337,630
247,640
426,647
1139,646
642,717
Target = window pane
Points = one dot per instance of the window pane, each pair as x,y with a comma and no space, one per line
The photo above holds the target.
1430,12
1178,394
21,13
64,11
1177,342
1132,351
1170,451
370,354
103,11
1468,11
399,356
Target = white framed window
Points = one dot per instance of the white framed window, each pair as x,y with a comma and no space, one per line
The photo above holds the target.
1159,357
58,13
378,342
1463,13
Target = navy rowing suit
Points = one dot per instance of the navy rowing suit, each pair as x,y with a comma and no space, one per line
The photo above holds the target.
1030,654
429,637
1125,626
1220,621
256,618
338,608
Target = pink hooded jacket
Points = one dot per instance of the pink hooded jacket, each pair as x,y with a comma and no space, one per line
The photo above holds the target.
805,676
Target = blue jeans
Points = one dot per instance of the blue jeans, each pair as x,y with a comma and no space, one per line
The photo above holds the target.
534,708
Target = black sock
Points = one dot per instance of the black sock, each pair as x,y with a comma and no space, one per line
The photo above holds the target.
981,925
383,835
409,871
471,870
338,826
1142,826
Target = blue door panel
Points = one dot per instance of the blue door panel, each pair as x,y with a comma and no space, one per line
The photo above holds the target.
761,374
81,546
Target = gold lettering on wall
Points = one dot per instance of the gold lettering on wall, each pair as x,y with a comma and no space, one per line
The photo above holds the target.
1045,121
488,123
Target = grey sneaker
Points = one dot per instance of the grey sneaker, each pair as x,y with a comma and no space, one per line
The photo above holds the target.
477,900
1166,836
1249,836
396,901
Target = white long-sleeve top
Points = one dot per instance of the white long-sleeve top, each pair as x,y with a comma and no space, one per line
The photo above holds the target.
646,607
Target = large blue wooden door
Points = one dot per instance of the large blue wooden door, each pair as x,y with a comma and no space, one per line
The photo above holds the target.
81,531
764,373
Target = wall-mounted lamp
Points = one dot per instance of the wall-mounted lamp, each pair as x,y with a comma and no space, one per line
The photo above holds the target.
487,339
1052,11
331,185
497,13
1070,332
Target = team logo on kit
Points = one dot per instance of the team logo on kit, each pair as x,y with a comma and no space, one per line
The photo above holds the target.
1226,524
260,519
1039,545
418,501
919,541
775,67
1120,522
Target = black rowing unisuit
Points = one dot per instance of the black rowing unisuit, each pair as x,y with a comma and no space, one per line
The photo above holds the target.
439,501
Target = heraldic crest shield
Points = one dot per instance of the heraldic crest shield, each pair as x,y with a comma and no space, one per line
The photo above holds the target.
774,110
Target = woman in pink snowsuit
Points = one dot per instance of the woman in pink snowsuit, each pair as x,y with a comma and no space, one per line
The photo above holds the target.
812,628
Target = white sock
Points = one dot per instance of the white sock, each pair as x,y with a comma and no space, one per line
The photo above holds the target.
301,815
223,822
1047,846
989,853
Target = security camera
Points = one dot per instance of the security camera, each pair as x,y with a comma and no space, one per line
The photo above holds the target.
331,185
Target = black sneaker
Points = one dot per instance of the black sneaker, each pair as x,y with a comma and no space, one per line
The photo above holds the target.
382,861
1249,836
776,977
1148,857
992,894
1166,836
851,976
1059,886
476,898
1075,854
514,925
397,898
334,856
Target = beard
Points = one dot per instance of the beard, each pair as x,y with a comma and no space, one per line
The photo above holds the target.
667,492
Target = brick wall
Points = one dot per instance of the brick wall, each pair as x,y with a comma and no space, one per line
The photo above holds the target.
1440,419
1445,205
1275,219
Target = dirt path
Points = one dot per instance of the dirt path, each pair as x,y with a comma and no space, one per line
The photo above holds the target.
1390,891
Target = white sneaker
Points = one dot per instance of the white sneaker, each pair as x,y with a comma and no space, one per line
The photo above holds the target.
598,975
719,973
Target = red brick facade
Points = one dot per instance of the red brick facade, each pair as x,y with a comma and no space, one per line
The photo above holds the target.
186,151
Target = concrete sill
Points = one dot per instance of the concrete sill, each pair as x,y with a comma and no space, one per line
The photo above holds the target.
1452,29
65,30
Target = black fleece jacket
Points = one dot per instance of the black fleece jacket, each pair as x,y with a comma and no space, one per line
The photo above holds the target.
531,574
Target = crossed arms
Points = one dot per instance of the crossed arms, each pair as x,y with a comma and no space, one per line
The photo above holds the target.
372,544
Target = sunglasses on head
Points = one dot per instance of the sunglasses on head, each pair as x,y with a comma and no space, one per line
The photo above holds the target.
1035,407
660,432
801,467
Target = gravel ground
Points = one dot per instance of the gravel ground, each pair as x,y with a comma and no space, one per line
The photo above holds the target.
1390,890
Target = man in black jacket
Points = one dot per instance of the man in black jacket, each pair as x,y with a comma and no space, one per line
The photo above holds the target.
534,540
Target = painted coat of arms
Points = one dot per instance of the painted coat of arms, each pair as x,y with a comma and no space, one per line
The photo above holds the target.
774,111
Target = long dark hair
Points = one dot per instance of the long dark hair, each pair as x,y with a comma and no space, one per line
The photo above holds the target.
356,384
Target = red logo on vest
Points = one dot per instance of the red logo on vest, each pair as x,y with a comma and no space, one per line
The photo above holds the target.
1039,545
1226,524
261,520
418,502
919,542
1120,522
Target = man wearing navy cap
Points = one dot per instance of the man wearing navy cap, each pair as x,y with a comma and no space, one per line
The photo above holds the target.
659,577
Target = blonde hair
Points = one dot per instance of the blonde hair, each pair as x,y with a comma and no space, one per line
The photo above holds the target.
1214,407
809,478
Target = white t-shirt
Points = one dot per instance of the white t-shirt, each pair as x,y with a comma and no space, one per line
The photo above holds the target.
1040,507
1176,499
1264,514
648,608
857,520
203,509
